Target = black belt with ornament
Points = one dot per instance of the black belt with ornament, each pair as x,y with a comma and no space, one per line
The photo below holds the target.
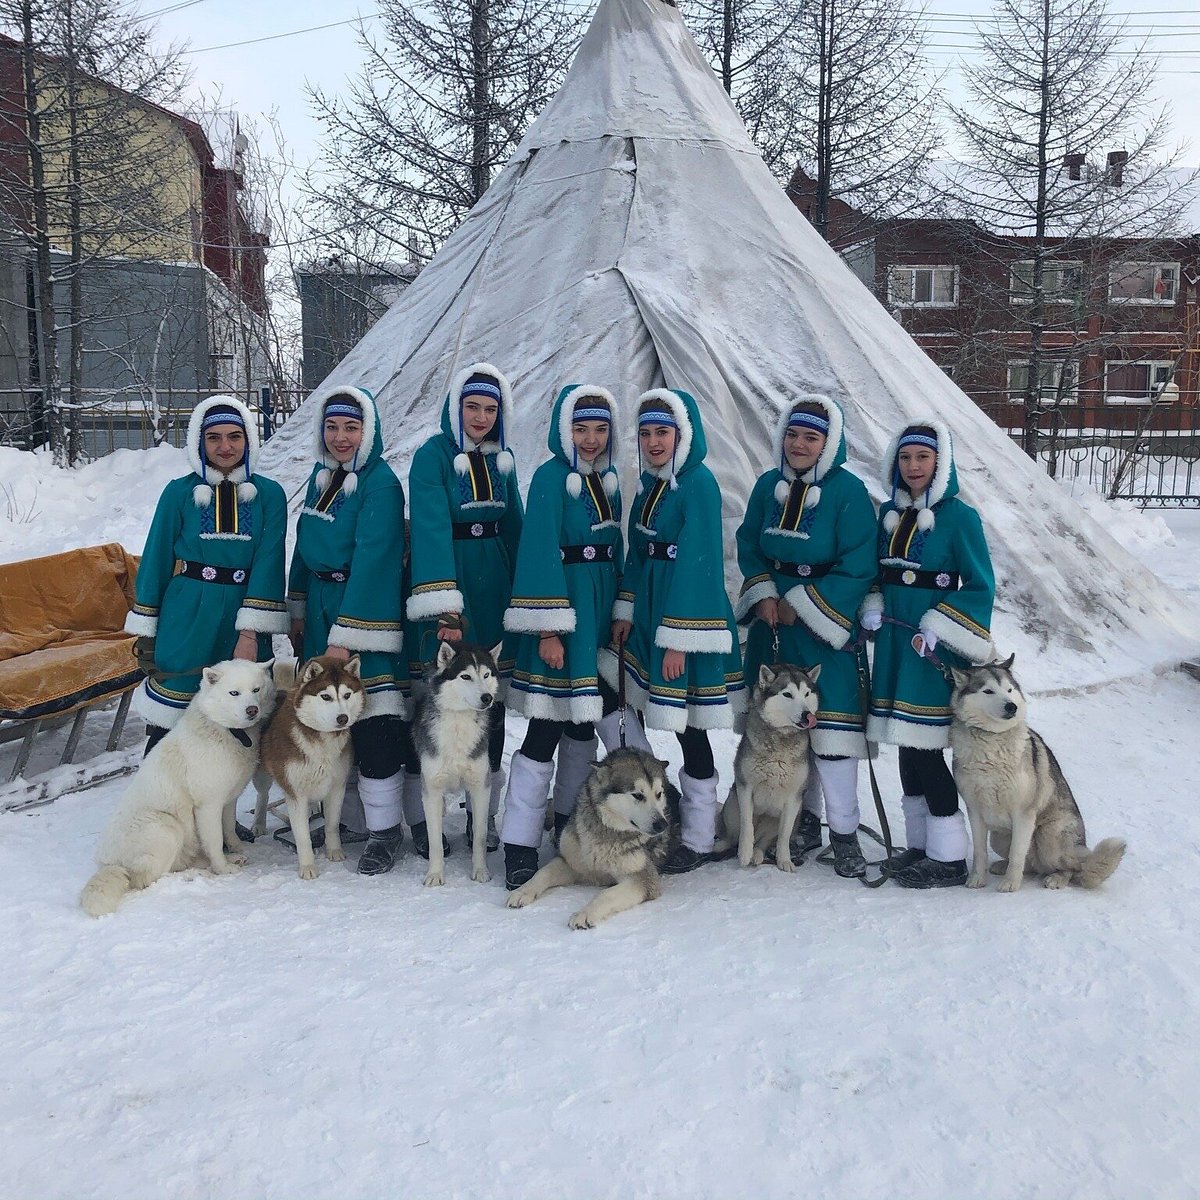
945,581
468,531
662,549
802,570
339,576
208,574
588,552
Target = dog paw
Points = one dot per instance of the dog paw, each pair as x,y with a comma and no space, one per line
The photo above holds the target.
228,867
481,875
260,829
518,899
434,878
975,880
308,871
1009,885
784,861
1060,879
334,855
581,920
758,858
238,858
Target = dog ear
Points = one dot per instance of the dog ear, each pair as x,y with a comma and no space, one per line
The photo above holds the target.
765,675
312,669
960,676
662,762
814,673
445,653
211,676
268,666
353,666
495,653
1006,665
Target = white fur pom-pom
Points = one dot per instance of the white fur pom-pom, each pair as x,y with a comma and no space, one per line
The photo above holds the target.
350,484
324,475
246,492
574,484
505,463
674,482
902,500
202,494
813,498
462,464
641,487
782,488
925,519
610,482
890,521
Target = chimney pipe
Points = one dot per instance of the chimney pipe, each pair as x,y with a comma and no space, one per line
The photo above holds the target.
1116,166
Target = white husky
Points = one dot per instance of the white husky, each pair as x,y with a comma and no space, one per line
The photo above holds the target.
175,810
450,732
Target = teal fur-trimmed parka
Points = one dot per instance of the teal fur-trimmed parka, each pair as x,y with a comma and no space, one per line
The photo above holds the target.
573,510
351,527
673,589
234,523
821,521
935,542
465,525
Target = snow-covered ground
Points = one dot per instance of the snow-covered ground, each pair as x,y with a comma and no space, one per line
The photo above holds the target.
749,1033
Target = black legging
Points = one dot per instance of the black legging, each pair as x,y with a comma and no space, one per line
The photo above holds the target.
382,745
496,737
542,736
924,773
697,753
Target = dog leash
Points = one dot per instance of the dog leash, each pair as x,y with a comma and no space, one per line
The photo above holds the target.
621,691
925,651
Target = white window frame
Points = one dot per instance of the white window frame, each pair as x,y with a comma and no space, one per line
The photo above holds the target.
1124,270
1154,365
1052,297
1049,392
911,269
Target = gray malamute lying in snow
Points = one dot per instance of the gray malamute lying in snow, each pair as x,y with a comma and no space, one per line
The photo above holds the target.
1015,791
179,808
306,749
617,837
771,766
450,731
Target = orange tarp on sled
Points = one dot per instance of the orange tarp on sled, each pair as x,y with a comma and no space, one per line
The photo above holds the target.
62,642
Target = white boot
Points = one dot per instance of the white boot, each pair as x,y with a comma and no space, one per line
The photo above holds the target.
699,808
946,838
381,801
414,809
353,816
813,798
525,801
839,781
609,729
916,814
574,766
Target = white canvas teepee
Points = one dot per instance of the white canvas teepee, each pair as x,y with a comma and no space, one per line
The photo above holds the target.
635,239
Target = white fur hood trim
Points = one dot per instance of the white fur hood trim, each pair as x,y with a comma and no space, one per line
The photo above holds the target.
202,493
504,459
936,492
370,425
683,445
833,439
605,462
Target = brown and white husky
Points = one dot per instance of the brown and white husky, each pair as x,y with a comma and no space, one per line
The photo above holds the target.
306,749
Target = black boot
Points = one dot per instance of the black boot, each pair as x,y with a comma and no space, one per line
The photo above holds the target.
379,854
420,841
493,838
848,859
930,873
903,858
560,823
520,865
683,859
808,833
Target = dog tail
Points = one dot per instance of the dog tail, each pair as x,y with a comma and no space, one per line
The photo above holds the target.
104,891
1103,860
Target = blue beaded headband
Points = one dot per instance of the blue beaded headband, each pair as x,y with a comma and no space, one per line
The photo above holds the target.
344,408
806,420
658,416
917,439
481,389
222,416
591,414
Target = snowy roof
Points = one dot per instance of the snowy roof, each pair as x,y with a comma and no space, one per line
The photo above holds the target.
635,239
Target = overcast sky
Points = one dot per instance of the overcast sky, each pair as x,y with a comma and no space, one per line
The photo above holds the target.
262,75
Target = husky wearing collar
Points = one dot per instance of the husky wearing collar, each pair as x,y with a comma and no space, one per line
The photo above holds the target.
450,731
1015,791
771,766
178,811
617,837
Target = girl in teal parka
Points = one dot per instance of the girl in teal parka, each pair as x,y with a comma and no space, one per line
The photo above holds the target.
807,552
466,517
932,597
344,596
566,582
683,662
210,581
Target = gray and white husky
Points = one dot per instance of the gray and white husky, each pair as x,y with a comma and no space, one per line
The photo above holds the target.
771,766
306,749
617,837
1015,791
450,731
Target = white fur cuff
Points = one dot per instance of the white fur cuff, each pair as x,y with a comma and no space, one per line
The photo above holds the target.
262,620
971,646
539,620
694,641
141,625
764,590
622,610
819,623
425,606
384,641
386,703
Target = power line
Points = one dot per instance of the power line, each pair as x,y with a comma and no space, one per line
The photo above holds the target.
274,37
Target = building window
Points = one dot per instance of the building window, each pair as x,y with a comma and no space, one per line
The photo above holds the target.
1062,282
1136,382
1059,380
923,287
1144,283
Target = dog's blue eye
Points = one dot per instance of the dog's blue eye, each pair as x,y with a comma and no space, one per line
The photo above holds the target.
989,691
326,696
235,693
464,675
